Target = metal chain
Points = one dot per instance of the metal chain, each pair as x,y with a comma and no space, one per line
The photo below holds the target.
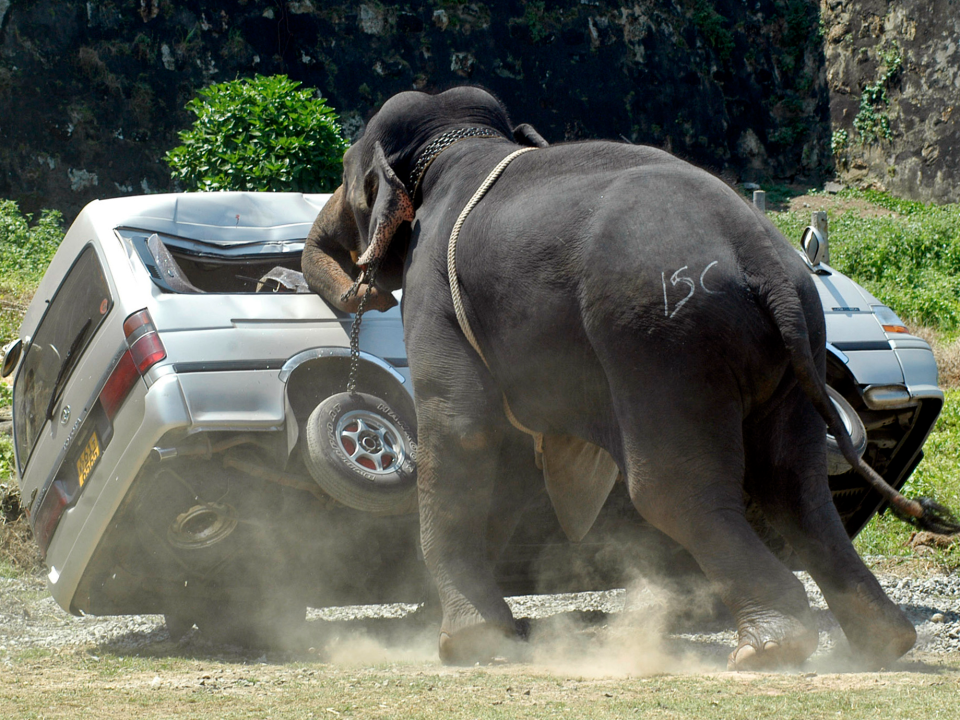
369,274
438,146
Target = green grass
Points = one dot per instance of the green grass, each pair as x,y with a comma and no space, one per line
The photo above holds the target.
26,247
909,260
8,569
68,684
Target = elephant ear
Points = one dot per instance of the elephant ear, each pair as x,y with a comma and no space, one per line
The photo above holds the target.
391,207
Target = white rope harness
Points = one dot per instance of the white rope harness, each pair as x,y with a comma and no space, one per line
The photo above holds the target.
455,282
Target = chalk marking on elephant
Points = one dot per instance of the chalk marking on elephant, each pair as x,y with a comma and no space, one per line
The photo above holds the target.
674,279
677,278
705,271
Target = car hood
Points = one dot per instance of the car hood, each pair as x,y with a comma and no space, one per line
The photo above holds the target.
848,310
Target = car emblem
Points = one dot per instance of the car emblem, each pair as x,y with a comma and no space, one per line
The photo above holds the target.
65,415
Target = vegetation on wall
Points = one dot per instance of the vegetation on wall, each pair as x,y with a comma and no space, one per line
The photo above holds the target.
714,28
872,122
259,134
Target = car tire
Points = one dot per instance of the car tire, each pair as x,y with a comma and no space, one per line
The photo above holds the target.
836,463
362,452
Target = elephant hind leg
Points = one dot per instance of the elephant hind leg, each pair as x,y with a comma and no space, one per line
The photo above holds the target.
685,475
787,476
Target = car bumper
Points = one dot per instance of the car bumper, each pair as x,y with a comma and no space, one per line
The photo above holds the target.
160,408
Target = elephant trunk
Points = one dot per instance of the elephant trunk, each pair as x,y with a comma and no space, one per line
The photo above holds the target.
329,260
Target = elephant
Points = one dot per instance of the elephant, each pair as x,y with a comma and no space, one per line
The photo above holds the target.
636,317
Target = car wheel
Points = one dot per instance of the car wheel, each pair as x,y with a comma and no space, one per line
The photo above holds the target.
836,463
363,453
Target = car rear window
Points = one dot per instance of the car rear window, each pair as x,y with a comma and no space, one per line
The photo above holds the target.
74,315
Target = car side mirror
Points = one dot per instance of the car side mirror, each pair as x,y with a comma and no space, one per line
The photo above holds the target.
814,245
11,356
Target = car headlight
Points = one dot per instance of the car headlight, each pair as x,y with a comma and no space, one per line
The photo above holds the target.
889,320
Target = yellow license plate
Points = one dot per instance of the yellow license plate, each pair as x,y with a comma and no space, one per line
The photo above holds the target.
88,458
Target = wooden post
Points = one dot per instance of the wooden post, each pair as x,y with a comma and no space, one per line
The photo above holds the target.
819,221
760,200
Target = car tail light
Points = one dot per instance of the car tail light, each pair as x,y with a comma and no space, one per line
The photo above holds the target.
143,341
119,384
144,350
48,515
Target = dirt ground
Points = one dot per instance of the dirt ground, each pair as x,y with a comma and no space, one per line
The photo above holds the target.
579,663
835,204
174,683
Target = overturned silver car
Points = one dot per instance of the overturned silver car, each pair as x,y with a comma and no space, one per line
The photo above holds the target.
184,444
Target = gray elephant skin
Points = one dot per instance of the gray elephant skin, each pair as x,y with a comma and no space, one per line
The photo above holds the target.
623,300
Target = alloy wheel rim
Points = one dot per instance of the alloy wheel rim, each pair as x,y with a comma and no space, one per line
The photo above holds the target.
371,442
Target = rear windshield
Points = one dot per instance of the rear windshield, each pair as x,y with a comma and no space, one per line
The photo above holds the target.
72,318
183,265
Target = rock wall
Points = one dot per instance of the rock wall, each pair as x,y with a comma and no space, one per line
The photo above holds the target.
92,92
894,75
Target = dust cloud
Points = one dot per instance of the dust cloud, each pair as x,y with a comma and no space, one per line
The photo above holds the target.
632,634
356,648
635,641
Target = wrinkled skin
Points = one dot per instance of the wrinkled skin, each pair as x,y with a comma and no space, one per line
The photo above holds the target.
625,297
330,256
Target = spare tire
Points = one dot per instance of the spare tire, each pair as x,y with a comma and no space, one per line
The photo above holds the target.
836,463
362,453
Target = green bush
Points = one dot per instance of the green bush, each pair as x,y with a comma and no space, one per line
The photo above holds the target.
909,260
26,251
259,134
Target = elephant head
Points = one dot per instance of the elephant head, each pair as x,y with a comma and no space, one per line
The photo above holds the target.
367,221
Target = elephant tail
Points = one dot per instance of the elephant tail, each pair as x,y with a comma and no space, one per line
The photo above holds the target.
780,297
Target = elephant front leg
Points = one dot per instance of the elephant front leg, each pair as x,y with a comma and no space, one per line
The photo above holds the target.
456,467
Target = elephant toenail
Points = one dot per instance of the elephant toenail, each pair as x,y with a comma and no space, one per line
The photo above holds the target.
741,656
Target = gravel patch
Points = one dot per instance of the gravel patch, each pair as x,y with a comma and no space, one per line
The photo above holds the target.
29,617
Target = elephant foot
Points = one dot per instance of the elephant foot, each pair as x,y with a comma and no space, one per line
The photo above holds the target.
876,628
479,643
884,645
760,649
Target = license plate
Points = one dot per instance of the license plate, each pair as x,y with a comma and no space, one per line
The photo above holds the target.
88,458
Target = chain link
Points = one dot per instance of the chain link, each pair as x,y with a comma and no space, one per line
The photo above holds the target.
369,275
